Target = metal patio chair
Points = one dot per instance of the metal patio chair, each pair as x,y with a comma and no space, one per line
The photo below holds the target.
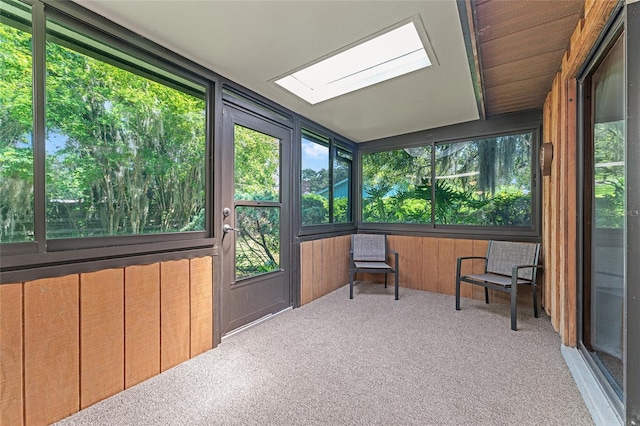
369,253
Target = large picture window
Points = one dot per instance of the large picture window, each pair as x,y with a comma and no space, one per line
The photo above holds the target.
125,152
103,141
482,182
325,181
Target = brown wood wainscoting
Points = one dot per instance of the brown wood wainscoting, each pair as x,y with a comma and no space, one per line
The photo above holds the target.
69,342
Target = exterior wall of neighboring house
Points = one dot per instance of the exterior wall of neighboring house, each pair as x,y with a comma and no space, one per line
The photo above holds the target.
340,189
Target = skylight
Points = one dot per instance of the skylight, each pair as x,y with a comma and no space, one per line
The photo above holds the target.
392,54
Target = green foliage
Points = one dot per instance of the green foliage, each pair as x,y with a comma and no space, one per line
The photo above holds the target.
341,210
395,186
314,209
257,165
125,155
258,243
16,128
317,181
257,178
609,203
481,182
609,157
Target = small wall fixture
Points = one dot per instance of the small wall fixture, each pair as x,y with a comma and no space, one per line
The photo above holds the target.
546,155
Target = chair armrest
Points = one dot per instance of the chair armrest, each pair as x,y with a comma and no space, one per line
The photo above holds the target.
515,269
528,266
460,259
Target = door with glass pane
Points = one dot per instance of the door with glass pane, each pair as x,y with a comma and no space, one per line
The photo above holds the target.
256,230
604,225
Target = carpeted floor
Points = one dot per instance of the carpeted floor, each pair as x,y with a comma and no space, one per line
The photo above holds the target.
367,361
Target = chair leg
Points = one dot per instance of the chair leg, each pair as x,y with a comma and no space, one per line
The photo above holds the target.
396,274
514,307
385,280
350,283
535,301
486,295
457,294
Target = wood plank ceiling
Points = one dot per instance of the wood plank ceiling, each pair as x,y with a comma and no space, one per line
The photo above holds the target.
519,45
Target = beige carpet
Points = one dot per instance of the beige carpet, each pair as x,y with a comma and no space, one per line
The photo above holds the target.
367,361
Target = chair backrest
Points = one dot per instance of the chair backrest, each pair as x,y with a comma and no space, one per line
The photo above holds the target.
369,247
502,256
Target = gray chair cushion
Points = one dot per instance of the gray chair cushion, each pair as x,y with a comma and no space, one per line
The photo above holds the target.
369,248
504,255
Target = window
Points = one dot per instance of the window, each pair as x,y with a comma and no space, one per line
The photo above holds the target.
483,182
16,125
125,147
342,186
396,186
123,136
325,181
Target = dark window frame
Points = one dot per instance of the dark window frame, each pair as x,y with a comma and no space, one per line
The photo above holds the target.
335,144
508,124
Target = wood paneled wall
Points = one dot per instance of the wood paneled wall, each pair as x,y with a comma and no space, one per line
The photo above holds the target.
426,263
324,266
559,217
69,342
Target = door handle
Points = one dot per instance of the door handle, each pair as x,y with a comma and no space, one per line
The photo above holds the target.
226,228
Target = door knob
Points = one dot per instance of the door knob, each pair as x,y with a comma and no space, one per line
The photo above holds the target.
226,228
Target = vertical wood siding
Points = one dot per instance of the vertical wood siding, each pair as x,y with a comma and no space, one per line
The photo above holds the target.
559,216
324,267
11,357
101,335
62,340
201,305
51,349
141,323
175,314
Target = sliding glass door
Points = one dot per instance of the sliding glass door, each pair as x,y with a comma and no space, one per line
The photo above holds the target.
604,227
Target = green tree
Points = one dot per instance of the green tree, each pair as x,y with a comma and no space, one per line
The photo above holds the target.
16,149
257,165
132,161
314,209
609,168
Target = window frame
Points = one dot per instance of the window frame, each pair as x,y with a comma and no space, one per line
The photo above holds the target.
335,143
508,124
19,259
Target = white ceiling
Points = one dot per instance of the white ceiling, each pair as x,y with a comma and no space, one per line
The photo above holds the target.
252,42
